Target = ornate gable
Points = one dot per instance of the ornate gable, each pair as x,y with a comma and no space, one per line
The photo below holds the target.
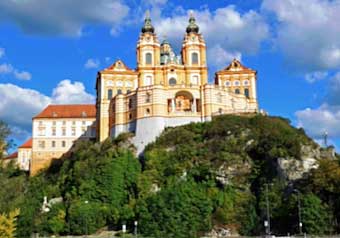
236,67
119,67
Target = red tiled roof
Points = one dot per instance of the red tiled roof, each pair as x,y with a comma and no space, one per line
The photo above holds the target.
68,111
27,144
12,156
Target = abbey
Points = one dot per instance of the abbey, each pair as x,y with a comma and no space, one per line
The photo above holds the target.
169,90
164,90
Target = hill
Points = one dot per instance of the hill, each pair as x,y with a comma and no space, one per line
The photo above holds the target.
193,180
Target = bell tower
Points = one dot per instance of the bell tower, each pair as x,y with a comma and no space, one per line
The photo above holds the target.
194,54
148,53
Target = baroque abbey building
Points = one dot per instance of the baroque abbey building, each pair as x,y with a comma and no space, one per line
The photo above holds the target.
168,90
164,90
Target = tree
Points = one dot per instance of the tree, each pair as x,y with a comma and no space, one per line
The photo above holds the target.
315,215
4,133
8,224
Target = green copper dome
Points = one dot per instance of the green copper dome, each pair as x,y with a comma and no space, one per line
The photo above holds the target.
148,28
192,27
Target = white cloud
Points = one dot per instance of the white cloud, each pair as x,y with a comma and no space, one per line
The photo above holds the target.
18,105
317,121
67,92
220,57
326,117
9,69
23,75
308,32
6,68
92,64
62,17
315,76
225,28
2,52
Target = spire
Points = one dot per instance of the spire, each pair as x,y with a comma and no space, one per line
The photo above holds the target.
147,24
192,27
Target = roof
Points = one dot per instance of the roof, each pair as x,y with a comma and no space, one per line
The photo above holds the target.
11,156
27,144
119,67
236,67
68,111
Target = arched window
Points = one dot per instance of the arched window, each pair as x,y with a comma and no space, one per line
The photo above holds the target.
147,80
237,91
119,91
227,83
130,103
148,58
246,92
109,94
194,58
194,80
172,81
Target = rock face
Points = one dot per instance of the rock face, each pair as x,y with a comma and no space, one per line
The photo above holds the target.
296,168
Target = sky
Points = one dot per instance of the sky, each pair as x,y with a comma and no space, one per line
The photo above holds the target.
51,51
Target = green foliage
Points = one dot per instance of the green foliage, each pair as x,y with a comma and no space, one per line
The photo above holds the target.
180,211
192,178
315,215
4,133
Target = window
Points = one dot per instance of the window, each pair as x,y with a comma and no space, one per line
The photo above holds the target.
237,91
148,58
54,123
40,123
147,111
73,131
128,91
148,98
147,80
63,143
246,92
109,94
172,81
83,123
194,58
73,123
194,80
41,144
237,83
64,131
54,132
64,123
227,83
119,91
83,130
220,110
130,103
53,143
130,116
245,82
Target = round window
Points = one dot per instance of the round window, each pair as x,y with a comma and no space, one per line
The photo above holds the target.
172,81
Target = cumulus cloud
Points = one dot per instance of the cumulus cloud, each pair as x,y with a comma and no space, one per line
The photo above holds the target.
6,68
92,64
67,92
2,52
308,32
219,57
23,75
9,69
317,121
315,76
18,111
225,28
62,17
326,117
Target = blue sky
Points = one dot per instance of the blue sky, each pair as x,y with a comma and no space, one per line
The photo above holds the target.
50,52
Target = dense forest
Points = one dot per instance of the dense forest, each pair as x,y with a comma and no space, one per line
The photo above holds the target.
193,179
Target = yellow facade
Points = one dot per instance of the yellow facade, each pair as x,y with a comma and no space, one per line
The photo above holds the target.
168,89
